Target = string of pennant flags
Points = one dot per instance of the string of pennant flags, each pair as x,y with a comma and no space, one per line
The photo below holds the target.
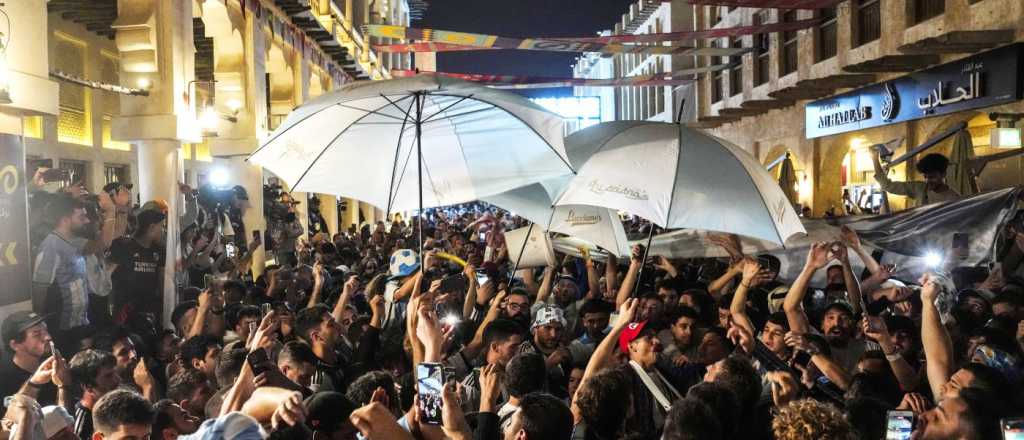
675,78
473,41
295,37
664,37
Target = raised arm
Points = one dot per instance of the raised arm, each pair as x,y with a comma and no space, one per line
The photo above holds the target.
470,300
605,351
817,258
849,279
938,348
593,280
626,289
611,273
545,286
738,308
346,294
318,285
716,286
875,328
850,239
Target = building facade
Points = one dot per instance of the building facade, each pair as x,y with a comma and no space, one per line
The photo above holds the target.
856,49
156,92
653,103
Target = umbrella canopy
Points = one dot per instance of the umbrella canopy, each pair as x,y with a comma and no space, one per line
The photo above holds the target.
787,180
678,177
416,142
960,176
600,226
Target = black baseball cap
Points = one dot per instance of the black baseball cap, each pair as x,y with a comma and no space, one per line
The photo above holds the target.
328,410
18,322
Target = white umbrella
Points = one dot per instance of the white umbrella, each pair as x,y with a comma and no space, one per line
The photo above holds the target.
600,226
678,177
416,142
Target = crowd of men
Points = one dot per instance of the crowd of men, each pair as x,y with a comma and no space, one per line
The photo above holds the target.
330,341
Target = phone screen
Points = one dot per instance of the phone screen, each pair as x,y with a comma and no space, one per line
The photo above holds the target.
1013,429
481,278
430,380
230,250
899,425
208,281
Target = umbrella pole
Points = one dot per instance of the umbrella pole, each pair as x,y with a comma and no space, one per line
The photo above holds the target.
522,249
419,168
643,262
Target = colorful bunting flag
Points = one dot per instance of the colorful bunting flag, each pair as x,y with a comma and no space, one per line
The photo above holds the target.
776,4
523,81
494,41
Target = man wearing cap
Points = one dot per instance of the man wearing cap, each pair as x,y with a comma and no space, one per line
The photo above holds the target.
327,416
547,329
28,342
653,394
60,285
138,268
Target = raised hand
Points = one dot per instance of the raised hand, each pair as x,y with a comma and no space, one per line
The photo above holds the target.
784,387
849,237
627,311
750,269
817,256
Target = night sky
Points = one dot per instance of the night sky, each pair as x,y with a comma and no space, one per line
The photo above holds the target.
520,18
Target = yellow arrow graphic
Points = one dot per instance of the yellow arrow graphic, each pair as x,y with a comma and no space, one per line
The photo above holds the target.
11,259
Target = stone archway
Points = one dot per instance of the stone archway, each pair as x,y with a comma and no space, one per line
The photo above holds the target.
281,75
224,24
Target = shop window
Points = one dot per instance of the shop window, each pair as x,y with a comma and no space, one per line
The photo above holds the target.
73,118
116,173
762,58
926,9
788,60
109,73
716,77
867,21
827,36
77,170
736,72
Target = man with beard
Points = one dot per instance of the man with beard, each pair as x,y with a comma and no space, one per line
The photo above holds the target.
28,344
594,316
837,323
652,393
93,371
322,332
128,365
517,307
547,329
137,271
60,286
501,339
564,295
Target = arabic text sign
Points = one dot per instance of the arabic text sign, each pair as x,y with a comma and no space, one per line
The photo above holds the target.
982,80
15,263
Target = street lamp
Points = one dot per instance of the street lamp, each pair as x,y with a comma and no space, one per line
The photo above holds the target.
1005,134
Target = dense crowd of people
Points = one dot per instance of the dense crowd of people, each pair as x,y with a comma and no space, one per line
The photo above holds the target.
367,334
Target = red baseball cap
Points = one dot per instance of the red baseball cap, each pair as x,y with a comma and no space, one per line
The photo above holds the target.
631,332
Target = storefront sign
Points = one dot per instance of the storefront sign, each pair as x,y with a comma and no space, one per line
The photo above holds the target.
982,80
15,264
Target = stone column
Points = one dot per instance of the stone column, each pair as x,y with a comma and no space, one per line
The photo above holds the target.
329,209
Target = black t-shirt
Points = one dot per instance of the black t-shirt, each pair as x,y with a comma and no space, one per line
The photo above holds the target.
12,377
135,279
83,421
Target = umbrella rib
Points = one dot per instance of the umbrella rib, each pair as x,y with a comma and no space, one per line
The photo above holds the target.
328,146
395,105
398,147
375,112
428,118
405,165
464,113
289,128
563,159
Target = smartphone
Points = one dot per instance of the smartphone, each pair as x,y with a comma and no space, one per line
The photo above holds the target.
258,361
481,278
230,250
961,245
257,237
483,236
208,281
265,309
1013,429
252,328
876,308
56,175
430,382
899,425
